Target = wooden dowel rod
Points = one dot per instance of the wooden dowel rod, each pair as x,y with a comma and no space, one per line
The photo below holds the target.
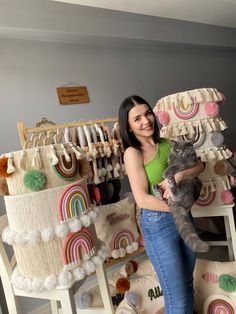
69,124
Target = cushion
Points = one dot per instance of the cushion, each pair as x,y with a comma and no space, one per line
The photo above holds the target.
208,281
116,227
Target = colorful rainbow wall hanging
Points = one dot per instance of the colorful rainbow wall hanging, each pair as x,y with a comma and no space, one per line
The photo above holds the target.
124,235
74,202
74,244
67,170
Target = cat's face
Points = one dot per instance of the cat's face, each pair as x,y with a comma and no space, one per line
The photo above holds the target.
182,148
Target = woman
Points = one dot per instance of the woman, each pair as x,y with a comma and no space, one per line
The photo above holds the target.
146,157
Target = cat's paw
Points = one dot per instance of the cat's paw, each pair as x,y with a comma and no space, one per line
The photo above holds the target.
157,191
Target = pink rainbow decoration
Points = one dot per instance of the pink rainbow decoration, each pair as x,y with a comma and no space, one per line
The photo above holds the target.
74,202
220,306
206,197
72,244
122,235
186,112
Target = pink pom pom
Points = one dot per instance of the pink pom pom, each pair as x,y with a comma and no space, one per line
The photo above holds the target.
163,117
227,197
211,109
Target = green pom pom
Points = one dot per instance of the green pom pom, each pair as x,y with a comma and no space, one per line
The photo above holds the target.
34,180
227,283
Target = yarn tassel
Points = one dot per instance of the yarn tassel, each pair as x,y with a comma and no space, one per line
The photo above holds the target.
10,166
211,155
222,124
224,184
213,125
219,154
65,153
23,161
228,152
54,159
78,154
212,186
208,126
224,153
81,137
37,161
203,156
191,130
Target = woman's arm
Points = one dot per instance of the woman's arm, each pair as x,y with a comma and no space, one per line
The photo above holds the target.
138,181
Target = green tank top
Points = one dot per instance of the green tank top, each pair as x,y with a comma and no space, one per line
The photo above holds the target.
155,167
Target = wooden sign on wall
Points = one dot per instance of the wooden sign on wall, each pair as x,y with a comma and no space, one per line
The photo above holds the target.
72,95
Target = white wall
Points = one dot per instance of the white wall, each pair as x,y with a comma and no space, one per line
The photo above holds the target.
30,71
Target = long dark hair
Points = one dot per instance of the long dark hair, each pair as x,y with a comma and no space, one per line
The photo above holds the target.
128,138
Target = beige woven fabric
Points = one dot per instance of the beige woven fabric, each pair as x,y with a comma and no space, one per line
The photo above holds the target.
15,182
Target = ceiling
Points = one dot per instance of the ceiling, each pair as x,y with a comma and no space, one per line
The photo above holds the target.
214,12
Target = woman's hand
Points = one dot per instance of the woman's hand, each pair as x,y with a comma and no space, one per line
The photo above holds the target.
165,188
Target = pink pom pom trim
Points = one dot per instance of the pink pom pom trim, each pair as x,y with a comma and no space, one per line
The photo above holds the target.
211,109
227,197
163,117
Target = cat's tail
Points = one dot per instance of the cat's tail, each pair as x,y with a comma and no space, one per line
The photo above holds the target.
187,231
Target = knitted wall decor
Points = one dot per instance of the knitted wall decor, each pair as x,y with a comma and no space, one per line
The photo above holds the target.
68,169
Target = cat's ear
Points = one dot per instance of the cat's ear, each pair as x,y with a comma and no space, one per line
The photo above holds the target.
191,142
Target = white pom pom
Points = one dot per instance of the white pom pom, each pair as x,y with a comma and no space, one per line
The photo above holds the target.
83,300
74,225
97,260
18,281
115,253
65,278
135,246
89,267
103,254
48,235
122,252
8,236
34,237
27,285
50,282
93,215
21,238
37,284
86,220
79,273
62,230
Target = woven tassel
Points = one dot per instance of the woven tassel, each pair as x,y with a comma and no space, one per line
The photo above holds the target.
96,179
65,153
95,152
203,156
54,159
213,125
222,125
211,155
23,161
10,166
224,153
191,130
212,186
100,149
78,154
208,126
184,130
115,173
219,154
37,161
228,152
224,184
108,149
88,139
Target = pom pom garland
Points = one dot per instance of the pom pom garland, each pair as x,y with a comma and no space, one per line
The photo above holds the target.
34,180
122,285
227,197
83,300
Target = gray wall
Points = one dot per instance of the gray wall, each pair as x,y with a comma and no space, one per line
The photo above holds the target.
158,58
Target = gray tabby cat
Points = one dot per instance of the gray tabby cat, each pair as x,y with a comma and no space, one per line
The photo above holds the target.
182,156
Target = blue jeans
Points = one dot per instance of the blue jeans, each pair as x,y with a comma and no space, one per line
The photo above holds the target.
172,260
